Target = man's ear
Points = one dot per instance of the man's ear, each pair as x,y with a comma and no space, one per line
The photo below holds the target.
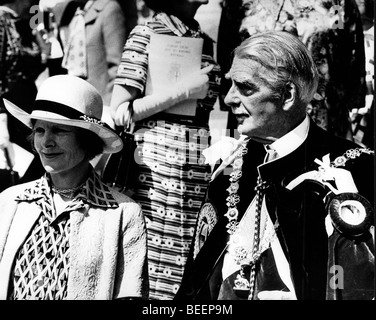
290,96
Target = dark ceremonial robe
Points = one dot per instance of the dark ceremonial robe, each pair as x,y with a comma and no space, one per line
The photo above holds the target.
301,232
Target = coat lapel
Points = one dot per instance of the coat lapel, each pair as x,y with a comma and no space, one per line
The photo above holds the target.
93,12
19,230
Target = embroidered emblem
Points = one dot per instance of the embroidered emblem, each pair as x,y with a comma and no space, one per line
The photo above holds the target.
207,218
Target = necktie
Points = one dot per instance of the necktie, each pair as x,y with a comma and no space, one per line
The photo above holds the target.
75,52
271,153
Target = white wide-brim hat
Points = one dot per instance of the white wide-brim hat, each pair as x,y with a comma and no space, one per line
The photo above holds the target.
71,101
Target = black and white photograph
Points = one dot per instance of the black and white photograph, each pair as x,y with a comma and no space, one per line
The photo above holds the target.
187,155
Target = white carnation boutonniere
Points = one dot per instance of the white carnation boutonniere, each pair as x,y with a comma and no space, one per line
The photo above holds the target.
224,150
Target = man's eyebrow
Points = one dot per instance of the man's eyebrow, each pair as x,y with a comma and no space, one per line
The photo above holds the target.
240,79
246,84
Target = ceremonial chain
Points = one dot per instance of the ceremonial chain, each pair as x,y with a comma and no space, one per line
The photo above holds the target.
241,283
339,161
233,198
350,154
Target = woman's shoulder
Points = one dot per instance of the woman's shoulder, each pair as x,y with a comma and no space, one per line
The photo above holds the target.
124,200
154,25
8,196
131,211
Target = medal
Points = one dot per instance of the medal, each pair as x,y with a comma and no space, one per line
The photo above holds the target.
241,284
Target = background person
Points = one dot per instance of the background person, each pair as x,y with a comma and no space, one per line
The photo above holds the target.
172,177
20,65
363,119
100,26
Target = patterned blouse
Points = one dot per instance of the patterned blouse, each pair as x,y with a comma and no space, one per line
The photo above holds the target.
42,263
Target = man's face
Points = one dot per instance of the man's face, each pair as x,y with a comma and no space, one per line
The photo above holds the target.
258,116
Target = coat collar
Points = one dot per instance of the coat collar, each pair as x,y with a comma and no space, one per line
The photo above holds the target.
94,192
298,161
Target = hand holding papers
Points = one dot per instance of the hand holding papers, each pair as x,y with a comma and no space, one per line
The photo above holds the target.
176,62
194,87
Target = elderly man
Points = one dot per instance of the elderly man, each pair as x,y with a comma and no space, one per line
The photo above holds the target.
289,211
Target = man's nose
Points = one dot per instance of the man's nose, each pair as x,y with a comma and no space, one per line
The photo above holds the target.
231,99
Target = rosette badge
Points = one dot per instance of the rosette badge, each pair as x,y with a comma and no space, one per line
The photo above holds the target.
351,213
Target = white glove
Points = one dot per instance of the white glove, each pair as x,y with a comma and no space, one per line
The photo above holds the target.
4,133
106,116
194,86
122,115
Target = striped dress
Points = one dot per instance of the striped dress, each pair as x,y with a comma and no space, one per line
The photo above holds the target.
172,177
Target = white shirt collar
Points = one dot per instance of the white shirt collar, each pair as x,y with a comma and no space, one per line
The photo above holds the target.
291,140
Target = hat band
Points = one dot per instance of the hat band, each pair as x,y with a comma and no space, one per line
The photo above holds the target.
64,110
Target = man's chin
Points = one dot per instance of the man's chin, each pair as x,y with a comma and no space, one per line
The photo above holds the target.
252,135
243,130
49,169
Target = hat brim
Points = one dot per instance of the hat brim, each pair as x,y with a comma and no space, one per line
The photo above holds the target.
112,141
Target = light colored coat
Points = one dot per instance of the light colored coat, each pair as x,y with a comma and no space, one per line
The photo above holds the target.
108,255
105,38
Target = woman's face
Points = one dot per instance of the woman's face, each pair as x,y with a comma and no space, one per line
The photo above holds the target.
58,147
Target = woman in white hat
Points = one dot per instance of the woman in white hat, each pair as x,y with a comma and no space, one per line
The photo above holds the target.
67,235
